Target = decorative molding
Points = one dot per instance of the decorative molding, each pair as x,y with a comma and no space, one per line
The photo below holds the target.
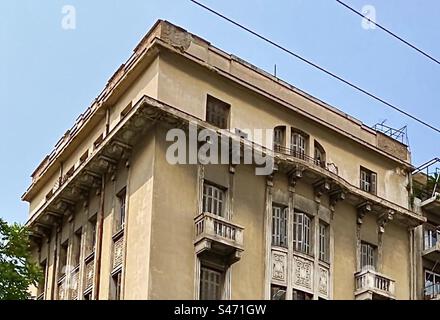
320,188
279,266
324,281
303,273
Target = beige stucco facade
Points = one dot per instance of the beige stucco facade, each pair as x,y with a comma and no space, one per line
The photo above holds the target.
114,159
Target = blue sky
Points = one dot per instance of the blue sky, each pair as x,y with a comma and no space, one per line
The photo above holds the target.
50,75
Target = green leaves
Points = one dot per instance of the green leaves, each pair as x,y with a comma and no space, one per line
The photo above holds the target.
17,272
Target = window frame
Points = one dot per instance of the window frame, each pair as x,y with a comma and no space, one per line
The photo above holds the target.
116,278
298,144
121,197
324,241
204,293
217,112
302,232
368,180
219,204
368,256
280,225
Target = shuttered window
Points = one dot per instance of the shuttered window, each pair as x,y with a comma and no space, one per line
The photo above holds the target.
368,181
279,226
324,242
210,284
301,232
278,138
213,200
298,145
368,256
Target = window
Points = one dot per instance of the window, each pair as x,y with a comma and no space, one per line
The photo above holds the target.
116,285
63,259
319,155
277,293
278,138
211,282
98,141
368,180
279,226
120,218
432,284
368,256
213,200
301,295
76,252
217,112
431,236
92,234
88,295
324,242
84,157
42,281
298,145
301,232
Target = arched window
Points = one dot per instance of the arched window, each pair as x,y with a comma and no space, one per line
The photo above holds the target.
319,155
298,144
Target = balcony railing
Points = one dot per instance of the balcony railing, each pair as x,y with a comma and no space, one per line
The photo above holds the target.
301,155
432,292
372,285
217,235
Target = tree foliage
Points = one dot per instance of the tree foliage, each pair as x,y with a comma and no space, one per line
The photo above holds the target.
17,271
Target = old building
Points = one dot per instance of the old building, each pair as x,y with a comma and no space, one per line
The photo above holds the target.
113,218
426,187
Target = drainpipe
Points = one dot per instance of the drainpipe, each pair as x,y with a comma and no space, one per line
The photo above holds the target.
100,223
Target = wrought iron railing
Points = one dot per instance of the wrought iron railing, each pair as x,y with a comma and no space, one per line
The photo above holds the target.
303,156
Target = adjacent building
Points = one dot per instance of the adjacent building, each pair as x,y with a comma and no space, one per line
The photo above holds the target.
113,218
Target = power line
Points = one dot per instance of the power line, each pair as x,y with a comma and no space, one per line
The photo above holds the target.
390,32
317,67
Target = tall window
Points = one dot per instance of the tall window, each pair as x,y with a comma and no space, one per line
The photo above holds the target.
301,232
279,226
217,112
63,259
120,218
368,181
431,236
42,281
368,256
116,285
76,250
92,234
213,200
298,145
324,242
319,155
211,282
432,284
278,138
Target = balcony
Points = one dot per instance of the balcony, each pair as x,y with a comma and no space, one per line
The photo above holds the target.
371,285
219,238
432,253
432,292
